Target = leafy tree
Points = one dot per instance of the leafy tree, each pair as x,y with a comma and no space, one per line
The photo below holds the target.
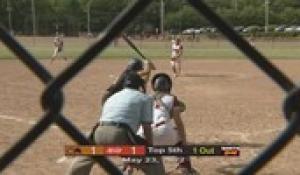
69,16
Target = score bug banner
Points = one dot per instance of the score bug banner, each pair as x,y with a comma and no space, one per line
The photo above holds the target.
141,150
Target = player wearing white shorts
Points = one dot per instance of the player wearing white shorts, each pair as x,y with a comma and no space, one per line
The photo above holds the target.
58,48
177,51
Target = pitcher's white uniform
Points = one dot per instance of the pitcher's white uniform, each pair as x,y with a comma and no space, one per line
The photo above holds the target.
163,127
176,51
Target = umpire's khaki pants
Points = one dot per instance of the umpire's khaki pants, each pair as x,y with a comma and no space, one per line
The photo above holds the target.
82,165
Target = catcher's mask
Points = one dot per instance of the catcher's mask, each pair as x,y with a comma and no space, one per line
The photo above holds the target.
161,82
134,81
135,64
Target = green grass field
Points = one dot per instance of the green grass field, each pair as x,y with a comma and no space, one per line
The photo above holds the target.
42,47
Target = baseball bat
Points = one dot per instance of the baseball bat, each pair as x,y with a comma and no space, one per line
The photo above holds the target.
133,46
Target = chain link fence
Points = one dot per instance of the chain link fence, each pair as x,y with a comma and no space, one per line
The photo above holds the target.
52,97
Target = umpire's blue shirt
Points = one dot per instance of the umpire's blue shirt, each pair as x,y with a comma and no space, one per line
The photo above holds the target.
128,106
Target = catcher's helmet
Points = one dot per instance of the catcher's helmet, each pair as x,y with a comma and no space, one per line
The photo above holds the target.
135,64
133,80
161,82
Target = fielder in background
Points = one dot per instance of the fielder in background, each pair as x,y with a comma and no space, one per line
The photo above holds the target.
167,126
142,68
177,51
58,48
122,114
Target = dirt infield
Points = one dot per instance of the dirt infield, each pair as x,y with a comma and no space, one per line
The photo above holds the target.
228,101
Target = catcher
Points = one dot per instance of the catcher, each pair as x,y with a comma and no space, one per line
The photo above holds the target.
167,126
166,113
177,51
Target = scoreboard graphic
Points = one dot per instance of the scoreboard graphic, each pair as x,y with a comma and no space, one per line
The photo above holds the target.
141,150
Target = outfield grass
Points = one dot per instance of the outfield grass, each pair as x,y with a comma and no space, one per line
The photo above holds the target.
42,47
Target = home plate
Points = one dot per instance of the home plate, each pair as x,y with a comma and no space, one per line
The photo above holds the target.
62,159
111,76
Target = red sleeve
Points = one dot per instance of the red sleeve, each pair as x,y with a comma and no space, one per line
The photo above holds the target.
176,102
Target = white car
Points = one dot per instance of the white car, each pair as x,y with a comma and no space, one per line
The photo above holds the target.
188,31
297,29
280,28
200,30
290,29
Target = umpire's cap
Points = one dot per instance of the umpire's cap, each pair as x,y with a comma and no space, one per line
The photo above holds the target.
133,80
161,82
135,64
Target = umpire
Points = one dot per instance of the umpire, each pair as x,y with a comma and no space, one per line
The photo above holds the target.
122,114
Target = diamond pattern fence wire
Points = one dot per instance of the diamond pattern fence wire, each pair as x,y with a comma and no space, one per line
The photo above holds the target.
52,97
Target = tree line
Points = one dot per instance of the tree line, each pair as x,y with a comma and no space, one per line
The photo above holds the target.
70,16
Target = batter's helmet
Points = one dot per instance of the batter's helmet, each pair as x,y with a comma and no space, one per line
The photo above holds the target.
135,64
133,80
161,82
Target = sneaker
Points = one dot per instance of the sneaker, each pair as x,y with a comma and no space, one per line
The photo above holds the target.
183,171
128,171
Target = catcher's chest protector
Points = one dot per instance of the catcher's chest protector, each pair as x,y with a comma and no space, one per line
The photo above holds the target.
164,134
162,108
